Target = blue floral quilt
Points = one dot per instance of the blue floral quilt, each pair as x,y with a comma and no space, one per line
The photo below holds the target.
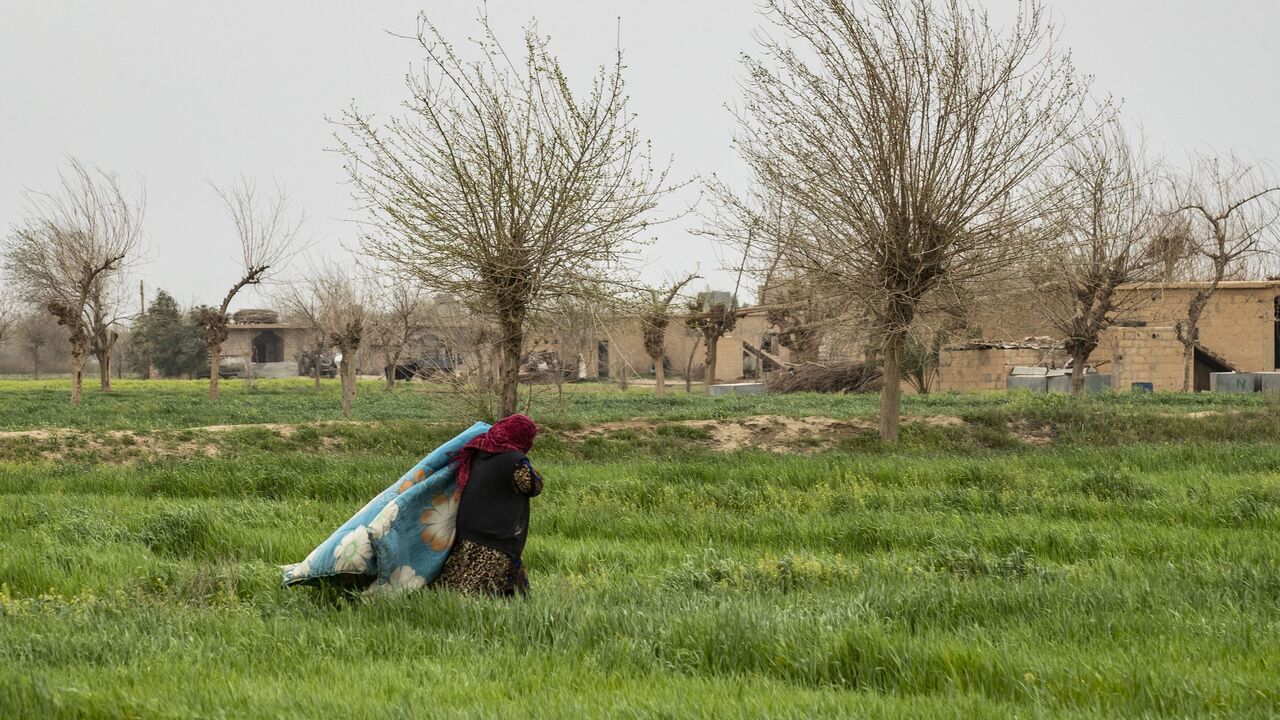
401,538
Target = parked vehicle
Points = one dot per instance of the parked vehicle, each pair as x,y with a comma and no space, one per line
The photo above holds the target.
425,366
307,364
228,367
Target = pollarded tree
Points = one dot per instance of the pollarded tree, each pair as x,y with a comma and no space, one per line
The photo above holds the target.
1234,206
906,134
103,316
502,187
35,331
655,316
766,228
1102,236
75,240
712,317
338,307
395,324
268,236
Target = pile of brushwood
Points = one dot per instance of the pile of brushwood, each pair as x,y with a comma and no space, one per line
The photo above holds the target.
833,377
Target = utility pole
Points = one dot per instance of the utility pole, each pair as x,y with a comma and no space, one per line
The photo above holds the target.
142,313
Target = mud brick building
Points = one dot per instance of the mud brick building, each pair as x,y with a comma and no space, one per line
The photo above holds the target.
1240,331
261,337
985,365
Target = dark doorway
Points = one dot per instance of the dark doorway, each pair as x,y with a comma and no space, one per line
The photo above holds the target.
769,345
268,347
602,358
1206,364
1276,359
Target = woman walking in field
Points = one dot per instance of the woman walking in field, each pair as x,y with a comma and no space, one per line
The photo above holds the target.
495,482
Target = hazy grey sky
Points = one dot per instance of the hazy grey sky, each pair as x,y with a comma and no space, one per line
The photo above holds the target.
181,93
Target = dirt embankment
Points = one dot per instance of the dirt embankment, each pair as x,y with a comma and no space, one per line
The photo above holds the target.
775,433
118,446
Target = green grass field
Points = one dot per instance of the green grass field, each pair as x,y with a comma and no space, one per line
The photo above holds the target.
1035,557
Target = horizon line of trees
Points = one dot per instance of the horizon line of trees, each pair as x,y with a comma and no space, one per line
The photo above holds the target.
906,160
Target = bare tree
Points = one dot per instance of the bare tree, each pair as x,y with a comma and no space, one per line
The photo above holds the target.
654,319
104,312
801,304
573,325
10,315
713,318
319,344
337,306
1102,237
74,240
268,236
395,325
36,330
688,366
503,188
1234,206
905,133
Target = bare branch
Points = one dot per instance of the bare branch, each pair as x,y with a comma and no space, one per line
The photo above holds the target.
906,136
502,187
65,257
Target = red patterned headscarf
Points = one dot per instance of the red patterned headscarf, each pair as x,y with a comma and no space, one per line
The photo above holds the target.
507,435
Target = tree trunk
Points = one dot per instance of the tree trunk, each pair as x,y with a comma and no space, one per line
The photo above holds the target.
35,363
215,361
389,373
1188,366
1189,334
509,369
347,370
104,370
77,372
660,377
688,368
1078,359
315,369
712,347
891,393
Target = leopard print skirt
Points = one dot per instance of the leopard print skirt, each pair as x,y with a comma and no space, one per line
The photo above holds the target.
474,569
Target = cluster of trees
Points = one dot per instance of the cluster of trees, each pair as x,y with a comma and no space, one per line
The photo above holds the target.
907,159
166,340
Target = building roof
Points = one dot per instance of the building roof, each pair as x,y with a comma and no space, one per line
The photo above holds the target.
1031,343
266,326
1224,285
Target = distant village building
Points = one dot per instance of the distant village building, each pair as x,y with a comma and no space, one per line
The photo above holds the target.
1240,331
259,336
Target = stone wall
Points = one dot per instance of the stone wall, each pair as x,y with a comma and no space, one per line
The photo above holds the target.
1149,354
623,344
1238,323
966,369
732,362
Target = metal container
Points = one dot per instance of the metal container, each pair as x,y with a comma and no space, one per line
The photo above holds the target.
1034,383
1268,381
738,389
1233,382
